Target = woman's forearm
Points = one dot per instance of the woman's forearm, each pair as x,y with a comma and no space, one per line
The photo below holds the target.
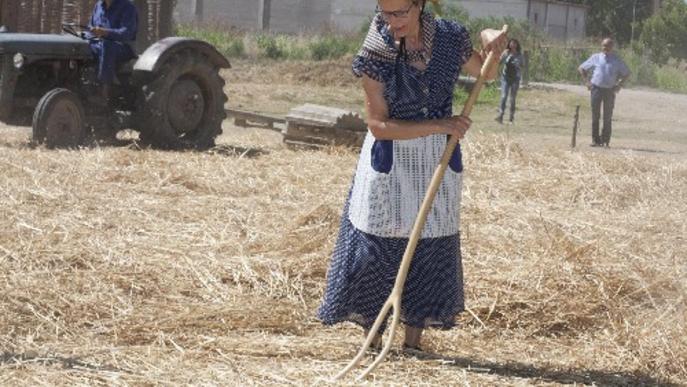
404,130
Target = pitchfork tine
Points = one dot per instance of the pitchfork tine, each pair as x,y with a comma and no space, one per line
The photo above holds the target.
368,341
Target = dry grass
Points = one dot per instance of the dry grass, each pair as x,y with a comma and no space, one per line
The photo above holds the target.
120,266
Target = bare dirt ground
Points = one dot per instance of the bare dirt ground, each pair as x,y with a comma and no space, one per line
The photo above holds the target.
644,120
121,266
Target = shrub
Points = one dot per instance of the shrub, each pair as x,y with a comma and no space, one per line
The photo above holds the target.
268,45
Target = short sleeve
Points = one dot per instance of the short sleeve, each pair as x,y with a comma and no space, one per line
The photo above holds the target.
373,68
588,64
461,38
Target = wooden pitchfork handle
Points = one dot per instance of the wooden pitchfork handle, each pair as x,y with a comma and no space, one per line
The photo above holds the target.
394,300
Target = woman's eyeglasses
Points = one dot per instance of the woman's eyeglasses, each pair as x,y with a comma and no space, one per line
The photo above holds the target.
402,13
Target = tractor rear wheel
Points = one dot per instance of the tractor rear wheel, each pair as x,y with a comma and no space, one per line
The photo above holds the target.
183,106
59,120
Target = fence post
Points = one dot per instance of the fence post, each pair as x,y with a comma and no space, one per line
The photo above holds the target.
575,124
526,71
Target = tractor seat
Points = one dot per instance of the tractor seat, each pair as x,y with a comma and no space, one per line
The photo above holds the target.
125,71
127,67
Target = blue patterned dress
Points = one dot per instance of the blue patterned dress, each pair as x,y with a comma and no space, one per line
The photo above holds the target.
371,242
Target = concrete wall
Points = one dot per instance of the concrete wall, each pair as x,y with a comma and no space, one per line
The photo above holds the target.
577,23
538,14
516,9
352,15
293,16
557,21
560,21
237,13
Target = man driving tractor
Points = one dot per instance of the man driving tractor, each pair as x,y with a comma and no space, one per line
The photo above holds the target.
112,29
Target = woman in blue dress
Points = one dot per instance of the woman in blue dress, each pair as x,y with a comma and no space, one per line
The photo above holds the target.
409,65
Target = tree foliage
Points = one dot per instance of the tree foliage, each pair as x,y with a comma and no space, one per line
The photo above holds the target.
664,35
620,19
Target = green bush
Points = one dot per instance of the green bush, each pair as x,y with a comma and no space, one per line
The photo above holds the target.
671,78
552,63
229,44
556,64
490,95
332,47
268,45
642,68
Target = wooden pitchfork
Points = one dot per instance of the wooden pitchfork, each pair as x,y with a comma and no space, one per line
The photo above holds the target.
394,300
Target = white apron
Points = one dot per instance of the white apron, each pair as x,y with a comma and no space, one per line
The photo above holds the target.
387,205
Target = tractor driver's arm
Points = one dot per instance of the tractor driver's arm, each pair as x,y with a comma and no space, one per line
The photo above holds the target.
126,32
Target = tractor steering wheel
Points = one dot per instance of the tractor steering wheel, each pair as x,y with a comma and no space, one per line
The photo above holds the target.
77,30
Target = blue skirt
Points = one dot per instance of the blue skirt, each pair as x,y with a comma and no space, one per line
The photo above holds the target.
363,270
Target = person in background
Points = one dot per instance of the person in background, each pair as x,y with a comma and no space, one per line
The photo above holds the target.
112,31
512,61
608,75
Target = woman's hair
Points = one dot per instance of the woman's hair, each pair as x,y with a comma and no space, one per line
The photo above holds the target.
517,43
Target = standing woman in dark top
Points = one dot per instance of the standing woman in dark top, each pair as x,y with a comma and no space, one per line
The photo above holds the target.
409,65
512,61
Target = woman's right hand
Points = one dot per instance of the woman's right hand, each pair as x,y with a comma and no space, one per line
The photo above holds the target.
455,126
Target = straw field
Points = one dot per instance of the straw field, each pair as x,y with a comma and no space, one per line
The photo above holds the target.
121,266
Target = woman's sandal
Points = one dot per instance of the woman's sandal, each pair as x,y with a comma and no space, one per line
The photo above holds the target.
413,350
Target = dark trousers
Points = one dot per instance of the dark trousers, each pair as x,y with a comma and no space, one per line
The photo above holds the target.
512,89
606,97
110,56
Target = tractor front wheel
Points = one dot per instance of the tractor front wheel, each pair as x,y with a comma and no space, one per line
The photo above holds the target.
59,120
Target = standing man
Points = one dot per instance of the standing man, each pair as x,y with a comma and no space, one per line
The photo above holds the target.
608,75
112,29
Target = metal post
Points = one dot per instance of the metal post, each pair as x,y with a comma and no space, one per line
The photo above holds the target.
526,70
264,14
575,124
198,11
546,18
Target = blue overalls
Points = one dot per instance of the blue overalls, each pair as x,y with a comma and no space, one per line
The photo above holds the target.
121,21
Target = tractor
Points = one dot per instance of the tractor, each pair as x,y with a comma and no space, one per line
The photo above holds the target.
172,93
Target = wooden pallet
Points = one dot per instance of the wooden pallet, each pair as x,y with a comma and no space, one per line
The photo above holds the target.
317,125
308,126
246,119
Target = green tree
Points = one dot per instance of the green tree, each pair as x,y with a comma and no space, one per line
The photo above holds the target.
664,34
620,19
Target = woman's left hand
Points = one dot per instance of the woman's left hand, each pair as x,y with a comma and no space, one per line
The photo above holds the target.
494,41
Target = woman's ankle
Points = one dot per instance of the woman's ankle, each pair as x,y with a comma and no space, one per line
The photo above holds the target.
412,337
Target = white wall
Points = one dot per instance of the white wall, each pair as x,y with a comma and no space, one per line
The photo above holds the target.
299,15
351,15
538,14
560,21
236,13
557,21
577,26
516,9
293,16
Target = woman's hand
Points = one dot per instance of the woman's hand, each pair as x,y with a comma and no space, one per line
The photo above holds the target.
455,126
493,41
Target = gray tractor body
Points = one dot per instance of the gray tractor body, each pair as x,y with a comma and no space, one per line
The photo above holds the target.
31,65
